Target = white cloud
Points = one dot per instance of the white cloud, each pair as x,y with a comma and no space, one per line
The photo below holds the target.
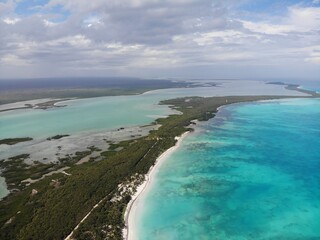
314,58
223,37
49,23
77,41
6,8
298,20
11,59
304,18
267,28
136,35
93,21
11,21
313,54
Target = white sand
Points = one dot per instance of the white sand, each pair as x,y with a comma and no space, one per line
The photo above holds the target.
132,209
224,88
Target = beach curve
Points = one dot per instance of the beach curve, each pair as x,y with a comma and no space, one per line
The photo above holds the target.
129,231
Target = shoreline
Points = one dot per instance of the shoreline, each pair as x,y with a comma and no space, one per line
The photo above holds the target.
131,207
47,152
203,112
44,103
41,147
130,212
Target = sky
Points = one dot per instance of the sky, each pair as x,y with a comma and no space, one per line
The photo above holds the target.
243,39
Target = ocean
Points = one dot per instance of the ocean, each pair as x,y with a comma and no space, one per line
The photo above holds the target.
105,113
252,172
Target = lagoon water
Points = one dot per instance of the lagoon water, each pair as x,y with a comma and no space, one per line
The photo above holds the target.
103,113
250,173
106,113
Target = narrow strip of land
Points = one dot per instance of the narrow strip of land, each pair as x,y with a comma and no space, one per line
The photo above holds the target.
86,195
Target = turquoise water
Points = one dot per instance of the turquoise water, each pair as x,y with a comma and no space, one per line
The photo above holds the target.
105,113
250,173
89,115
79,116
93,114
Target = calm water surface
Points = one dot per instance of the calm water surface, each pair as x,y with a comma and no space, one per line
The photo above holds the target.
250,173
106,113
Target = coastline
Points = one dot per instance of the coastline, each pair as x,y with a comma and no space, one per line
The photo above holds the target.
130,212
131,208
202,109
40,147
52,102
164,227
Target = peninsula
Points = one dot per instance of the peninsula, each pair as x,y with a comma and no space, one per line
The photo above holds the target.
96,193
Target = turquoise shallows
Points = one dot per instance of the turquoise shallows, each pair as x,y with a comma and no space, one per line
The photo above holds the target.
81,115
106,113
253,172
91,114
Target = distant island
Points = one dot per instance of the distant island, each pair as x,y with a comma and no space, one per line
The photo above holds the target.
29,89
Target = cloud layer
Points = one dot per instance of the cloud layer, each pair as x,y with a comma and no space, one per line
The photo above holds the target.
159,38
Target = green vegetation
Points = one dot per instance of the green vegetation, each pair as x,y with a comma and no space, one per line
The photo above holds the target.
16,95
12,141
52,207
69,160
57,137
15,170
70,89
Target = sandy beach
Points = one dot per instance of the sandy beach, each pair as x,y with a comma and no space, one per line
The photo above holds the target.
129,232
133,208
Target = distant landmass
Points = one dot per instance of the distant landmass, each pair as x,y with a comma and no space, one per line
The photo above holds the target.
14,90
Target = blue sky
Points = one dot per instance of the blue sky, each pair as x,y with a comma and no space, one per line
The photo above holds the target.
25,8
28,7
273,6
160,38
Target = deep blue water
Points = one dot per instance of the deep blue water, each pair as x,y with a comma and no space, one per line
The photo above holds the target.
253,172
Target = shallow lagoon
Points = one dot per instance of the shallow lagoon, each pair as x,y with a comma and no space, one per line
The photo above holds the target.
105,113
250,173
94,115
